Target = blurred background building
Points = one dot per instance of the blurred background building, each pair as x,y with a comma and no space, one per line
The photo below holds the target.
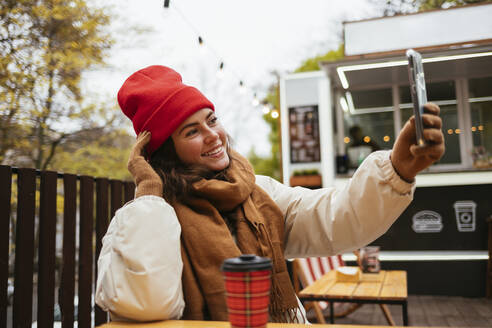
334,118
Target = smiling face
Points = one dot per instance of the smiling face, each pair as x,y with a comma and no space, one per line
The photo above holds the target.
201,140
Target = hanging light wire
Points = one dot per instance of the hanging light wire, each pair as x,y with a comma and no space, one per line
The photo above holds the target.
201,43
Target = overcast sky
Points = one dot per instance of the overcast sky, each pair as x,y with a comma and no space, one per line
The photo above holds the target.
253,38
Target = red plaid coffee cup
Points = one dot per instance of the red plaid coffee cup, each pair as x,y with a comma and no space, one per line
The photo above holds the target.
247,284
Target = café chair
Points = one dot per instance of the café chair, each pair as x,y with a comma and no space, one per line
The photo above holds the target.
308,270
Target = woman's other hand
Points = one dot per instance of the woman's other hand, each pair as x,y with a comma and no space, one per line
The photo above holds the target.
407,157
146,179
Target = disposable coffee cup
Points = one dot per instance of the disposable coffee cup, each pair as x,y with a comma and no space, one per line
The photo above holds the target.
369,257
247,283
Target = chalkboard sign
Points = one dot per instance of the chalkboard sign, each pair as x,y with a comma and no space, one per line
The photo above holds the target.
304,134
442,218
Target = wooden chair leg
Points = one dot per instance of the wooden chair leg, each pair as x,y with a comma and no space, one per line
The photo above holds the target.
319,314
387,314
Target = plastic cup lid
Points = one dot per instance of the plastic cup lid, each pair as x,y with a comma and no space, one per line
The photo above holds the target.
246,262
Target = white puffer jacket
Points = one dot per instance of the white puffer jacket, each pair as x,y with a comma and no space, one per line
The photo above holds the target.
139,268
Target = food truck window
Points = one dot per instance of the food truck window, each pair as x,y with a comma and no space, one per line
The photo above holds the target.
480,98
368,123
444,94
364,99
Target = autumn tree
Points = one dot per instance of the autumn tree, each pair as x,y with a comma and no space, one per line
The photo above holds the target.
105,155
46,46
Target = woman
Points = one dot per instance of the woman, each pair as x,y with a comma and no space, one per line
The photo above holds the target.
199,202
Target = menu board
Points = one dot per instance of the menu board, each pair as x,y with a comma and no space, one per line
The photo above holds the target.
304,134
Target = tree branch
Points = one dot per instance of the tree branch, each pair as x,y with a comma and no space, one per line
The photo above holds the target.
53,146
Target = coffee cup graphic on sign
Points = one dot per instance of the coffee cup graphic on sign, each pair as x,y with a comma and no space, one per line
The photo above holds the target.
247,283
465,215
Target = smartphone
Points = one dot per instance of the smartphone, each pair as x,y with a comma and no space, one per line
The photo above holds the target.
418,91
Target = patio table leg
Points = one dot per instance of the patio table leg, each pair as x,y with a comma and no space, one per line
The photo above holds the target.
405,313
332,313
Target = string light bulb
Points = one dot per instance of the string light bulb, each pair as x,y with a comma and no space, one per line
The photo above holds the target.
274,114
165,13
255,102
242,89
220,72
266,109
201,45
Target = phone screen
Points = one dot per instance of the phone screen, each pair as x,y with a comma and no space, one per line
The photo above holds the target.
418,91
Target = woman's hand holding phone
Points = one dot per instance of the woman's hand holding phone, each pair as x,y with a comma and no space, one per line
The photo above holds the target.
407,157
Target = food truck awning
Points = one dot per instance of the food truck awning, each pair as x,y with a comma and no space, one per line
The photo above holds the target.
442,64
455,43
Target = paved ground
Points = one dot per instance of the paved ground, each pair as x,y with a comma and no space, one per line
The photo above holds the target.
443,311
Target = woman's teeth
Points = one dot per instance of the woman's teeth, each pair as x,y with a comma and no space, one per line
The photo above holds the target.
213,152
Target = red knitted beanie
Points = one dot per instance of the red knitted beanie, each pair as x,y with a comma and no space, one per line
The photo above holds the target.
156,100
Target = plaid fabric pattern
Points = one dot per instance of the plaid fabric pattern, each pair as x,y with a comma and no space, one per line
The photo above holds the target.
248,295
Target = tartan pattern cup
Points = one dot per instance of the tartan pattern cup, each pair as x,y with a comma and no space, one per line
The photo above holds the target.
248,295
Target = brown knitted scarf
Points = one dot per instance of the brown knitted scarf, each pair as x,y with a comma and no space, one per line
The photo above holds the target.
206,241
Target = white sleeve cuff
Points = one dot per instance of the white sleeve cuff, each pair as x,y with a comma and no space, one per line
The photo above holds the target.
389,174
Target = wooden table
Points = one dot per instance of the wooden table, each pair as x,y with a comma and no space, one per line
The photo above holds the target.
215,324
385,287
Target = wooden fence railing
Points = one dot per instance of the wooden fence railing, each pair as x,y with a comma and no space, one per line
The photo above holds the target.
95,200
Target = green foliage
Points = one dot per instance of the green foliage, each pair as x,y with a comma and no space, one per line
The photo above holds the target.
105,156
270,165
312,64
305,172
45,47
263,166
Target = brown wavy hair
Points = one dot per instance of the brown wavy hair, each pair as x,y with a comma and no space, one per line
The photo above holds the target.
178,177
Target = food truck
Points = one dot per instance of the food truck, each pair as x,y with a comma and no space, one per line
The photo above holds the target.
333,118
